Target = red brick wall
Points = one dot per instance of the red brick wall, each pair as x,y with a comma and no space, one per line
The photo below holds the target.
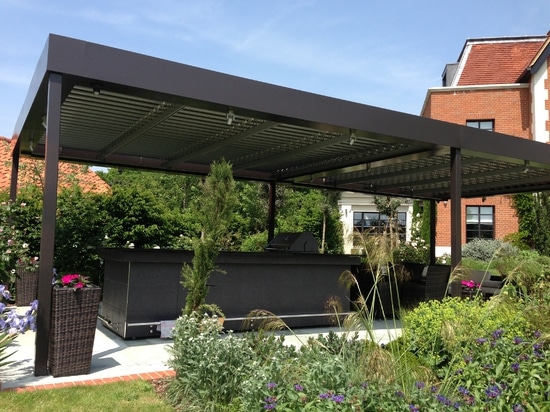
511,111
510,108
505,219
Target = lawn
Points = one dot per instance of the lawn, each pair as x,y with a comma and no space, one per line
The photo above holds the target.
138,395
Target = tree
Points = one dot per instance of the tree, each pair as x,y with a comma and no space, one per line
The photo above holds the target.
214,212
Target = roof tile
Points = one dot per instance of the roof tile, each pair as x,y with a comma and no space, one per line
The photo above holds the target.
497,62
31,172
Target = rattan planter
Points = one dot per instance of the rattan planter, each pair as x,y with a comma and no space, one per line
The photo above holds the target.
26,286
72,330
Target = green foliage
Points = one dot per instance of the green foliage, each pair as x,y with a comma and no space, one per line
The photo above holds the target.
533,211
210,368
541,234
135,395
487,249
305,210
436,329
136,217
415,251
14,247
5,341
80,232
214,213
501,372
255,242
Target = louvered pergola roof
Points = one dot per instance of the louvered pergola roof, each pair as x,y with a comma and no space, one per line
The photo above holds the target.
160,115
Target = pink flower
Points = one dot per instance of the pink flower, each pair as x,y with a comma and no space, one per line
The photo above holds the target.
470,284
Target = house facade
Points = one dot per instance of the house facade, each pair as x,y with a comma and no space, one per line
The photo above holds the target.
498,84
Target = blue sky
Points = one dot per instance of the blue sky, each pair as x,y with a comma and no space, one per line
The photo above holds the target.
384,53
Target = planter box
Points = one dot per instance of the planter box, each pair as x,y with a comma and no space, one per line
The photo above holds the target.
142,287
72,330
26,286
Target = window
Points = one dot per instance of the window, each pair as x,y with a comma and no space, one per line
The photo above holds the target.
480,222
376,222
482,124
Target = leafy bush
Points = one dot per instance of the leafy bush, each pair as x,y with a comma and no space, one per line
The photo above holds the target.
210,367
412,252
487,249
496,372
435,329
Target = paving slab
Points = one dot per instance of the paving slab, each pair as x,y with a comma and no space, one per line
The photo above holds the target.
115,358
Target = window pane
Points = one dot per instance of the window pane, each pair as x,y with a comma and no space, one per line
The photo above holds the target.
486,125
479,222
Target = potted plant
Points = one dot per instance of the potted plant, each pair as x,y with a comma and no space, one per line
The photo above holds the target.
214,214
75,306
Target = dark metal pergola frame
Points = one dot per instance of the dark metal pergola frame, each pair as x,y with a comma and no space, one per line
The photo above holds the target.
93,104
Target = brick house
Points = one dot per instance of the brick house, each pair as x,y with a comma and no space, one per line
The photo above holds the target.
31,172
501,84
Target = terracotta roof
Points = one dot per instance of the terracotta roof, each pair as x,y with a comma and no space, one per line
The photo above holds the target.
496,61
31,172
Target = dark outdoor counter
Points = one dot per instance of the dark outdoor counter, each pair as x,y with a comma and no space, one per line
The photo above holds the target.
142,287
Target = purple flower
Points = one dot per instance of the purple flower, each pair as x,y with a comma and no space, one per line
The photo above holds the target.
517,340
338,398
493,391
443,399
537,334
518,408
497,334
271,385
481,341
463,390
537,350
414,408
399,394
515,367
270,402
420,385
298,388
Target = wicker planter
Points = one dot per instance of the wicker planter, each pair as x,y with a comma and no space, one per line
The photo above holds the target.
26,286
72,330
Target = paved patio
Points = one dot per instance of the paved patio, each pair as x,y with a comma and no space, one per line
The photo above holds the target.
116,359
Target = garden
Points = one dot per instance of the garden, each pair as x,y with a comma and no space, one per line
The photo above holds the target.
472,352
455,354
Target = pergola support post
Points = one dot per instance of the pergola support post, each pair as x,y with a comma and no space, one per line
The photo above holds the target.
271,211
16,154
47,239
433,222
456,216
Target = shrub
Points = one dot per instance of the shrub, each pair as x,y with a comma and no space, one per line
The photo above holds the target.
496,372
487,249
210,367
435,329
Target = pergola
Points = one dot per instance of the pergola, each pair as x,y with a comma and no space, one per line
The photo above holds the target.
93,104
